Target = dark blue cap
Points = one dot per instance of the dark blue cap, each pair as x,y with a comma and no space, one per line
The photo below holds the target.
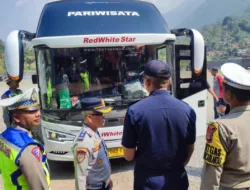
95,104
157,69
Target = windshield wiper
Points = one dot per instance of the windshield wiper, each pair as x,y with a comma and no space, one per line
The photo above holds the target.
64,115
119,102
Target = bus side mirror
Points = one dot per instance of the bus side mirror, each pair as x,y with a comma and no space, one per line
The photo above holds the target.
34,79
198,51
14,56
14,53
197,46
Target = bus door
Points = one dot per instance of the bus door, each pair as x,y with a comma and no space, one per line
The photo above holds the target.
190,76
187,81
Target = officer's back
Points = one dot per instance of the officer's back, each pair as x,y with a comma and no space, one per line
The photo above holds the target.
162,131
161,127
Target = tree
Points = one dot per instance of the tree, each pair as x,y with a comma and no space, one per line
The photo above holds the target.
227,20
235,52
243,45
2,63
244,25
29,56
1,46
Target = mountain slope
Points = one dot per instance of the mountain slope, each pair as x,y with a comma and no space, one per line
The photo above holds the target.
212,10
177,15
229,37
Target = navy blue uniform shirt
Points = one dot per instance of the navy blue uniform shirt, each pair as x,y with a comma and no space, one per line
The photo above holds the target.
160,126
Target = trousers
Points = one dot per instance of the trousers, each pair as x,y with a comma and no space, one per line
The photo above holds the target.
168,181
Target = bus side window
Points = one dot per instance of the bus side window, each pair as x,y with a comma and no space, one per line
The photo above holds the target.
185,69
162,54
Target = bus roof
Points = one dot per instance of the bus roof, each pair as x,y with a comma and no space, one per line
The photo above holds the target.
93,17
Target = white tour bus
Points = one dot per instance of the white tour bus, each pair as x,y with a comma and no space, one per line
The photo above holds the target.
98,48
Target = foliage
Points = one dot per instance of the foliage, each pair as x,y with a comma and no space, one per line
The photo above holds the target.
2,66
228,35
29,57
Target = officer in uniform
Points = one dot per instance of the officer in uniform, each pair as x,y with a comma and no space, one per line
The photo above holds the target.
84,75
13,91
23,162
227,151
92,167
159,132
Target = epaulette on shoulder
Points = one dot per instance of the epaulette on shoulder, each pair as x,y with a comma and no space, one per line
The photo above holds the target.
82,135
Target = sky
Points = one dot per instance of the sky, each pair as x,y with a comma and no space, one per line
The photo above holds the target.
24,14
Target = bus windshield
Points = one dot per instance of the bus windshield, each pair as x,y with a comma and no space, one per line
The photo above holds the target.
66,75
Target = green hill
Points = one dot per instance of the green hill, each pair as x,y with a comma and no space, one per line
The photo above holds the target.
230,36
211,11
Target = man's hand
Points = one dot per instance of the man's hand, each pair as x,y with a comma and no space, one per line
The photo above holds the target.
129,153
110,184
216,99
189,151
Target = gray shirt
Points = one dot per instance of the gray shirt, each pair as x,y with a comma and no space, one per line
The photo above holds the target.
91,161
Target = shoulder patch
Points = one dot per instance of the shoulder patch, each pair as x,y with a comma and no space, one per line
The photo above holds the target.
37,153
81,154
215,153
210,132
4,148
81,135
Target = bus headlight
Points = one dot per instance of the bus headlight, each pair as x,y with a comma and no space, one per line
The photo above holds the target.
58,136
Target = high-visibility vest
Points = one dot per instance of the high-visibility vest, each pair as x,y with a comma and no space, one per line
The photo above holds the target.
85,78
9,93
12,142
49,92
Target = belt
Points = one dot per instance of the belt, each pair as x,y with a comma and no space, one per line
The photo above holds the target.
98,185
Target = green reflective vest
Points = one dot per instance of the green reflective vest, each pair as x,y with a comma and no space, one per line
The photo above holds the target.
12,143
85,78
49,92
